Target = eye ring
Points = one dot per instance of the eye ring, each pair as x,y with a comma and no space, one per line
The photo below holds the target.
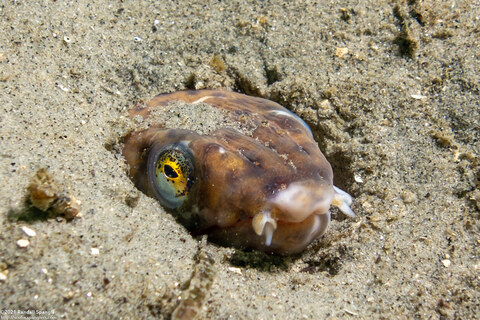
171,174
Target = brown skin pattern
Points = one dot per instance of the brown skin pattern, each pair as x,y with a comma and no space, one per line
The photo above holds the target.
236,175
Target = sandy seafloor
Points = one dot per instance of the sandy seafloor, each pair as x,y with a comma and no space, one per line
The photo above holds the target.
397,113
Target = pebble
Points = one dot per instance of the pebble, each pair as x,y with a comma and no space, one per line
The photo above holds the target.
446,263
29,232
358,178
341,52
418,96
3,275
23,243
3,271
235,270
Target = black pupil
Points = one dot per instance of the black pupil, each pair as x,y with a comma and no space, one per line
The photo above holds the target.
169,172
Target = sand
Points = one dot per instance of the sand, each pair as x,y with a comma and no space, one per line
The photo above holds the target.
390,89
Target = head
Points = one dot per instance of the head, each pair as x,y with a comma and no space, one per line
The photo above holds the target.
233,187
267,187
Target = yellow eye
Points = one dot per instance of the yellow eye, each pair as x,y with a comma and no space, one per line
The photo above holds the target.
173,176
171,166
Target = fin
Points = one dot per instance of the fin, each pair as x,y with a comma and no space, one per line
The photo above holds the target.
264,224
343,201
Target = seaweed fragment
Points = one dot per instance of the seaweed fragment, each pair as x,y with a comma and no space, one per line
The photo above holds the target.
198,286
46,195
